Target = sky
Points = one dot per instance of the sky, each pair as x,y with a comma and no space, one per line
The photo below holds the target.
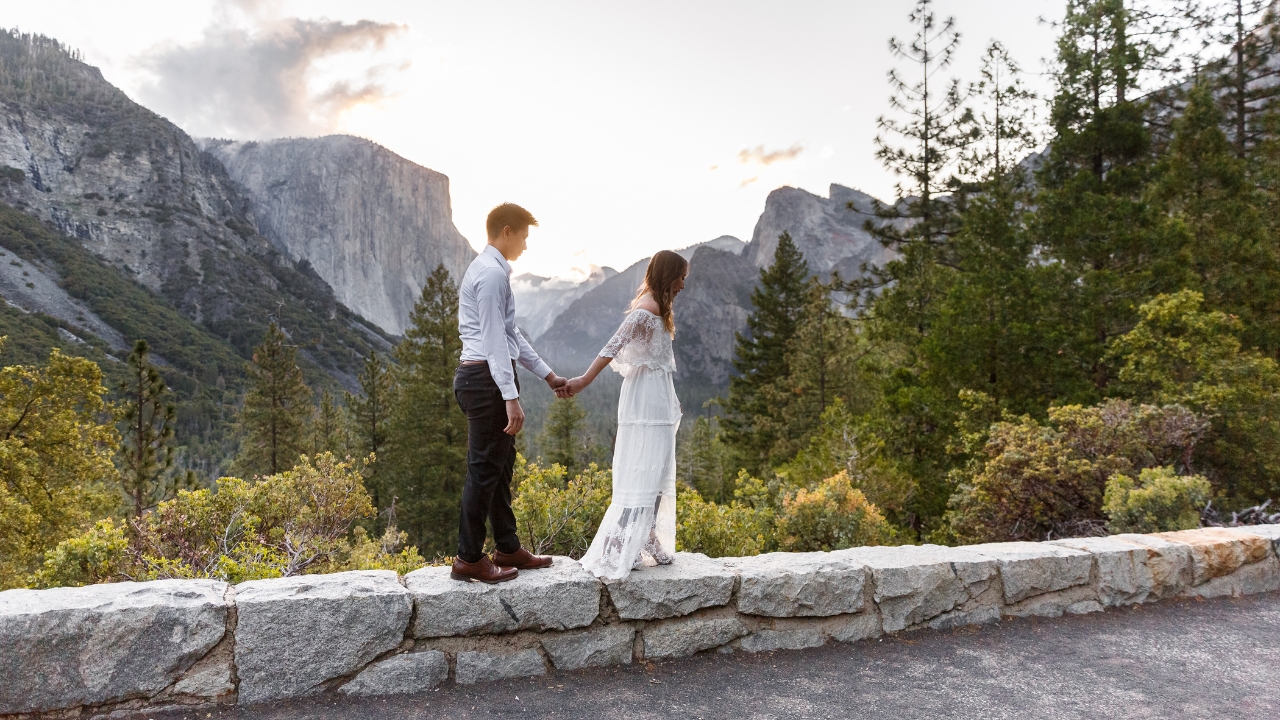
624,127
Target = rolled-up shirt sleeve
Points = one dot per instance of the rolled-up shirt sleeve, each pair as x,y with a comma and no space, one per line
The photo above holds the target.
493,332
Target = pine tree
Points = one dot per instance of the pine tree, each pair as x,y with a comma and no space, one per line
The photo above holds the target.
751,425
562,438
277,408
426,443
328,431
146,416
1248,74
1214,216
369,416
925,144
702,461
1005,121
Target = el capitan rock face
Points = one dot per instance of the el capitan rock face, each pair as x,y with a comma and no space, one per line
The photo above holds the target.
372,224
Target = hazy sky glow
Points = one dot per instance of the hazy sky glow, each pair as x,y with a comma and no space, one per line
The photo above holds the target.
624,127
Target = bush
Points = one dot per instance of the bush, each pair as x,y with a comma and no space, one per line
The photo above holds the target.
1040,480
833,516
739,528
99,555
555,515
1159,501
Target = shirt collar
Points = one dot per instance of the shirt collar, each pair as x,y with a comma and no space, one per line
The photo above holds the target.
502,262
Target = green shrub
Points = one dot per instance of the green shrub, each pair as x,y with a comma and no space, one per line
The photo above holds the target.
832,516
1158,501
99,555
735,529
556,515
1038,481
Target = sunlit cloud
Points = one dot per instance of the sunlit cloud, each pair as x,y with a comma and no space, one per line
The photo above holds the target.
254,75
760,156
748,181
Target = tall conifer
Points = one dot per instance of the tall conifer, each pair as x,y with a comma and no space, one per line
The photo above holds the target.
277,408
426,431
146,417
751,425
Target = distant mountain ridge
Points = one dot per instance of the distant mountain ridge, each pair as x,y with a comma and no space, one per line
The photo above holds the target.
372,224
540,300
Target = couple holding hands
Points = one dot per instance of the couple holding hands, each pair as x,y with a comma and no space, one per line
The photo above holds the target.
639,527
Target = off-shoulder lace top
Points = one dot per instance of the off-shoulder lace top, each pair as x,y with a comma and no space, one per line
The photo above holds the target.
641,341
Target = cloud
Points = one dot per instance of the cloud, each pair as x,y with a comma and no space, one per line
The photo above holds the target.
253,76
748,181
762,157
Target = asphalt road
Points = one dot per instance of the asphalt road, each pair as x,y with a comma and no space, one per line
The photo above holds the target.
1219,658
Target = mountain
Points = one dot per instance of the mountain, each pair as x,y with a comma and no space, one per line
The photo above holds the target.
540,300
826,230
112,209
372,224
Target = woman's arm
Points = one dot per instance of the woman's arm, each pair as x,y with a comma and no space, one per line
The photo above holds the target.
578,384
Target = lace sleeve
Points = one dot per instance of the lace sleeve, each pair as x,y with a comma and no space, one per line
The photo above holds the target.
633,329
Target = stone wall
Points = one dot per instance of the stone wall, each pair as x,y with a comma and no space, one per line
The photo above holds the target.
110,649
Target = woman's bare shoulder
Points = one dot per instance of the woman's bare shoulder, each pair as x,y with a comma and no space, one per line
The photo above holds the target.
646,302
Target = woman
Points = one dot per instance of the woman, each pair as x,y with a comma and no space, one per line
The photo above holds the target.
641,519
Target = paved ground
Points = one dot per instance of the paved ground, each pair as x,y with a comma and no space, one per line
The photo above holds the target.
1219,658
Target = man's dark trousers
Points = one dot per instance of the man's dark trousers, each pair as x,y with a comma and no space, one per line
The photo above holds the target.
491,457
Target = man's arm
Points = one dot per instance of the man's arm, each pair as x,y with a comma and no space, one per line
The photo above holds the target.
534,364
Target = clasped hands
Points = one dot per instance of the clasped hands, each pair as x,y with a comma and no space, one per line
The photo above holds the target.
566,388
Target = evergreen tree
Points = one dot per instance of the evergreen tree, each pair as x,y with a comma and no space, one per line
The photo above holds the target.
146,416
1005,121
751,425
703,464
562,439
369,416
328,431
1248,74
277,408
426,443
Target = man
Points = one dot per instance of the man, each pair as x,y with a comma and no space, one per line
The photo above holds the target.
489,393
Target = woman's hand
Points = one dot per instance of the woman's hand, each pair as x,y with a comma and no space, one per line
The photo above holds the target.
577,385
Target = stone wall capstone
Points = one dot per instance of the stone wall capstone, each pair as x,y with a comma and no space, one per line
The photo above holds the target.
126,647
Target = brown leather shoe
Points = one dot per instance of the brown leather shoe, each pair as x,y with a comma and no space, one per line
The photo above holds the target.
482,570
522,559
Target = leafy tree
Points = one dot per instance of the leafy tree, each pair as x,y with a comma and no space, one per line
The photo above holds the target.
146,415
1180,353
751,424
277,408
426,431
57,477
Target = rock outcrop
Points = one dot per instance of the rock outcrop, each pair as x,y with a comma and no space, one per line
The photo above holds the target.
540,300
829,233
370,223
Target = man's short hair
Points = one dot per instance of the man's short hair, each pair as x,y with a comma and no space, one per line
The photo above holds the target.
508,215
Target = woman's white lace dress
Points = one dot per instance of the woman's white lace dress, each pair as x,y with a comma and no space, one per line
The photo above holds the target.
642,514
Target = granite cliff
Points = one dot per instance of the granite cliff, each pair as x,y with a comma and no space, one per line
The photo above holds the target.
826,230
370,223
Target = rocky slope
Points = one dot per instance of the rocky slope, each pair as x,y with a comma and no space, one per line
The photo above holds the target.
540,300
136,191
370,223
830,235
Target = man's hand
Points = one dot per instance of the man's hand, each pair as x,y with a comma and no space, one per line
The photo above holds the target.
557,383
515,417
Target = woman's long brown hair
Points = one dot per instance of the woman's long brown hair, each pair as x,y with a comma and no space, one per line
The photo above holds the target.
665,268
